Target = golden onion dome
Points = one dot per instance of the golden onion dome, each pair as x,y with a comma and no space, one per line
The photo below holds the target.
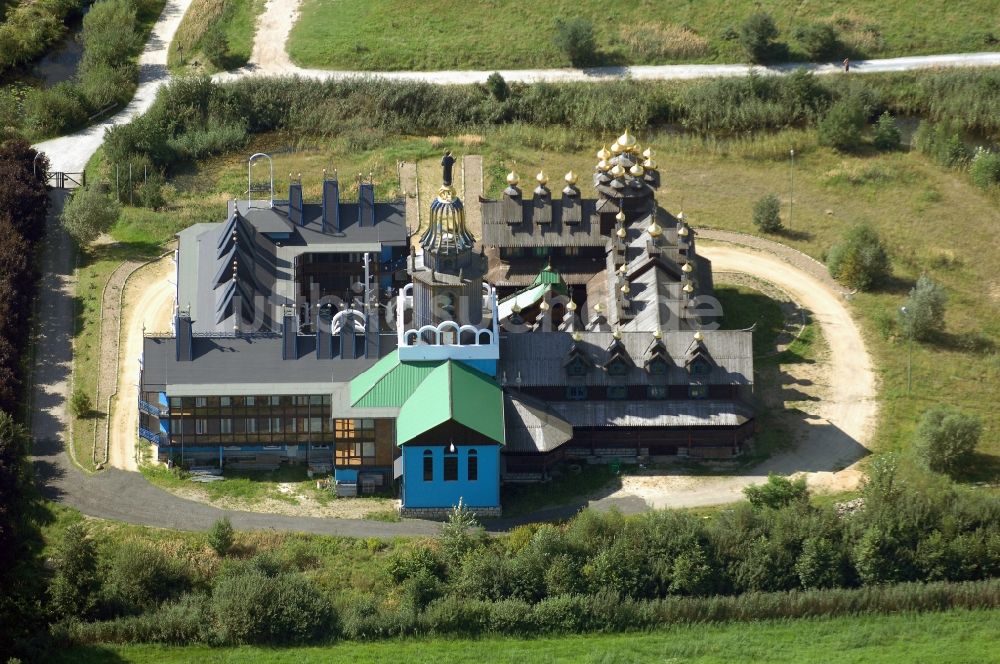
512,179
617,334
683,232
636,170
615,148
648,153
604,153
625,288
620,217
627,141
544,306
603,165
571,306
542,178
577,337
649,164
570,178
698,336
598,308
516,308
688,288
618,171
688,268
623,269
654,229
620,232
658,334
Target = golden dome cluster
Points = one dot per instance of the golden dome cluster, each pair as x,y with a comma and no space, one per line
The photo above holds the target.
626,157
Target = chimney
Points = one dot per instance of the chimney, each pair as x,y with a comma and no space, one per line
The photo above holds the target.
331,205
366,204
289,335
324,334
295,202
185,338
348,344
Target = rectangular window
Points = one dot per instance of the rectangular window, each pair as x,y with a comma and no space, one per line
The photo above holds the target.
354,454
250,401
226,425
576,392
698,391
316,400
657,392
541,252
201,426
252,425
301,401
571,251
175,402
617,392
428,466
450,467
276,424
225,401
274,401
316,424
473,466
200,402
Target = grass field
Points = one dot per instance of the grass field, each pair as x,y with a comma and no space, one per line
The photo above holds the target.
956,636
444,34
231,23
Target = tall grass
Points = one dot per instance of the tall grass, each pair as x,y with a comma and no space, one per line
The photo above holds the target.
30,28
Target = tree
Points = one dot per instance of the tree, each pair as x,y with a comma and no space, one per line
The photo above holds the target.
778,492
575,37
458,533
75,582
946,438
924,310
859,260
767,214
88,214
886,132
818,40
757,35
841,127
821,564
985,168
497,86
221,536
80,404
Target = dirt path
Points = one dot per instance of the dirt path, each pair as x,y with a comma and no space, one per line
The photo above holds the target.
835,434
269,55
149,303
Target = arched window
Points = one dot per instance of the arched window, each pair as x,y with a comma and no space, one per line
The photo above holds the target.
473,466
428,466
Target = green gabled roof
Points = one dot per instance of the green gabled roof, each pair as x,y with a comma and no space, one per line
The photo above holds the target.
551,277
453,391
389,383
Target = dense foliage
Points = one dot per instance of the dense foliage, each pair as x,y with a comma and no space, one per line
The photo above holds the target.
89,213
757,37
923,314
860,259
30,28
575,37
946,439
767,214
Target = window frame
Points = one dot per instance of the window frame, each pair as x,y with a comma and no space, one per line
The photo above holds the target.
472,466
428,473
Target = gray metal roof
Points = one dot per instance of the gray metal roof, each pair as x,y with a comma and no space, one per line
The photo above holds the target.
247,360
690,413
538,358
389,227
531,426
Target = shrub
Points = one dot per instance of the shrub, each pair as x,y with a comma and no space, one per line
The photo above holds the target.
497,86
886,132
138,577
841,127
859,260
985,168
221,536
575,37
778,492
818,40
403,564
89,213
251,607
54,111
943,143
177,623
821,563
215,45
924,310
767,214
80,404
757,35
460,533
945,439
75,583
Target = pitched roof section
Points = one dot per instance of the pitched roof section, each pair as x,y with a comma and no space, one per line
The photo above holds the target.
453,391
389,383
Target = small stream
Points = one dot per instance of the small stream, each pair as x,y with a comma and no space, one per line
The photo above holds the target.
61,62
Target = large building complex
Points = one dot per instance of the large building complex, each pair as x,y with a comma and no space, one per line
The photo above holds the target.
439,365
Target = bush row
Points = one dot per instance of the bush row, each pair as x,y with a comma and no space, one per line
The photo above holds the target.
195,619
30,28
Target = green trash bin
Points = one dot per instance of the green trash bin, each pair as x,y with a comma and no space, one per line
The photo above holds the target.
616,467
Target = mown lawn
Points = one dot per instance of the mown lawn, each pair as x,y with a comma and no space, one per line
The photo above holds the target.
956,636
444,34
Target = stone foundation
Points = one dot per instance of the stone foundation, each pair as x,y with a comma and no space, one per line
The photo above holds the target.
442,513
